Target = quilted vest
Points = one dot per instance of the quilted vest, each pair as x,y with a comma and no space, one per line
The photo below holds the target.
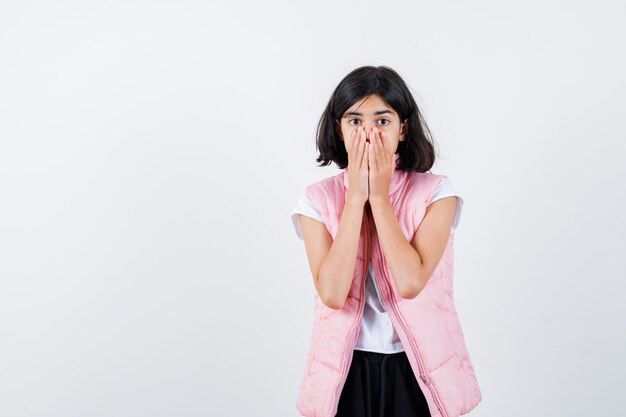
427,325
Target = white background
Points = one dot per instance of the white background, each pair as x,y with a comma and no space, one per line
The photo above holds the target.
151,153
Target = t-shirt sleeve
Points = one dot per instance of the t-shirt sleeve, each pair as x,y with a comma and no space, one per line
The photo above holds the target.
447,188
304,206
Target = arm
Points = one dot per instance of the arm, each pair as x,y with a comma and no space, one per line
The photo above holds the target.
412,264
332,263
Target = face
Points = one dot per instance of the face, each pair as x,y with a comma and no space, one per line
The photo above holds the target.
372,112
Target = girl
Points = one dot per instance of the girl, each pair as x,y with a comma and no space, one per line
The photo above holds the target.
379,236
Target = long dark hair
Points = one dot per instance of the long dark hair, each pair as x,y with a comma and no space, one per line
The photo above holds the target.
416,152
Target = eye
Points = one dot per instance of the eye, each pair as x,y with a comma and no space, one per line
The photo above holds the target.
386,122
352,120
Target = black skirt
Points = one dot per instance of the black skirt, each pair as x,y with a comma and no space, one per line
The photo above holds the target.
381,385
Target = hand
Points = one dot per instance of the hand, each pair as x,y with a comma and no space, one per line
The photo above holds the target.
358,188
381,165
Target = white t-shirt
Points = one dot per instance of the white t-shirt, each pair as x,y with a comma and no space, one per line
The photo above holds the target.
377,333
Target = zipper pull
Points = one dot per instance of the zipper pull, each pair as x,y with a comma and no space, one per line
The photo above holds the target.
425,379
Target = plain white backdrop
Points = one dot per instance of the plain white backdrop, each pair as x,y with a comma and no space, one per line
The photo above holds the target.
151,153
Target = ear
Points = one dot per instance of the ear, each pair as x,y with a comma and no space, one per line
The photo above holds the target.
338,129
404,128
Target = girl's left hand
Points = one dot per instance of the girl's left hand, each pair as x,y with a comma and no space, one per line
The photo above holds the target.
381,166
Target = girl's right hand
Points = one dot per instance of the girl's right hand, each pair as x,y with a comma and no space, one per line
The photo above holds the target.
358,167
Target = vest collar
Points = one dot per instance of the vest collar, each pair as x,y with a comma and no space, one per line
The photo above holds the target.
397,177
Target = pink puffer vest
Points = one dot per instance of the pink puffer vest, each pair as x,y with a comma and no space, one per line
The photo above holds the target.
428,325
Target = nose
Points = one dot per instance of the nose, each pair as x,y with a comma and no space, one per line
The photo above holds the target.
367,127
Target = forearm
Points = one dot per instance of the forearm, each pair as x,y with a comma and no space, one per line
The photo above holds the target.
337,270
402,259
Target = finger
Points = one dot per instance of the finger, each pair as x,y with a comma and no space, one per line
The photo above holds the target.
385,156
354,135
351,142
377,149
371,156
354,150
362,147
384,140
388,153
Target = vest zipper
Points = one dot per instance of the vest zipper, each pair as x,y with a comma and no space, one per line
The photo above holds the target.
357,322
420,364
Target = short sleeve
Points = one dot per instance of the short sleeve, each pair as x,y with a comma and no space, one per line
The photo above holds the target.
304,206
447,188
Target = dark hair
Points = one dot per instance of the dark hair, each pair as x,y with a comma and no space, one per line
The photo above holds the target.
416,152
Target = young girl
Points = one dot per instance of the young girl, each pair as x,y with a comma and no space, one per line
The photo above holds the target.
379,236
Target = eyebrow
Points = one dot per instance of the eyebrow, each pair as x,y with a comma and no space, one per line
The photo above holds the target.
356,113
